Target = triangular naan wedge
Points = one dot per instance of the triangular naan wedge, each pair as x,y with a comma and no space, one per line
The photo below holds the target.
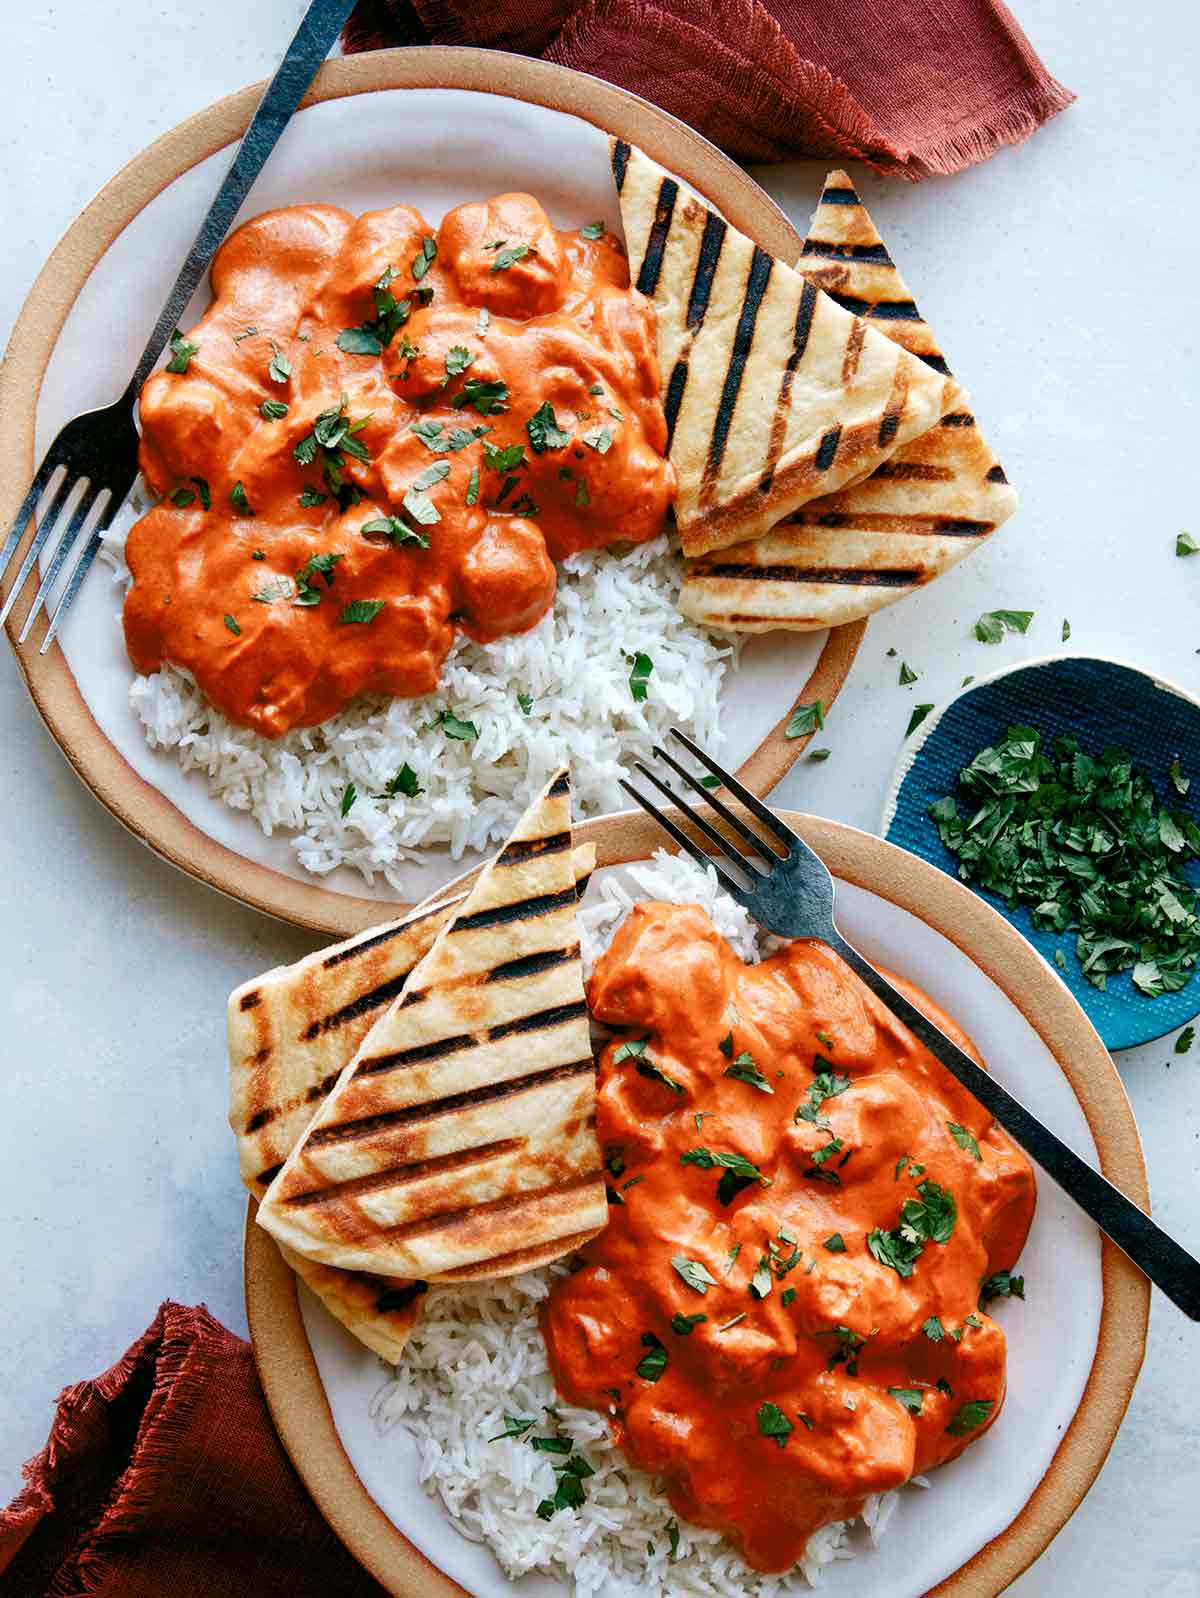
462,1134
848,554
291,1031
773,392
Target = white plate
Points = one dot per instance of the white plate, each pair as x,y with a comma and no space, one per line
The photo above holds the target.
431,148
1052,1338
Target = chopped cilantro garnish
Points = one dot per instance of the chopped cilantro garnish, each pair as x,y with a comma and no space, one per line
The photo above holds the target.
592,230
743,1069
806,719
544,430
1083,843
279,368
526,703
310,496
363,610
693,1273
486,397
404,782
435,438
933,1329
473,486
653,1363
237,496
458,358
827,1084
600,439
684,1325
203,490
448,723
503,458
396,531
964,1139
349,795
1002,1285
182,350
424,258
233,626
273,410
509,255
183,497
929,1219
917,717
912,1398
772,1422
835,1243
640,676
1066,629
787,1296
1185,1039
634,1048
673,1537
731,1257
514,1426
907,674
970,1416
1185,544
993,624
760,1282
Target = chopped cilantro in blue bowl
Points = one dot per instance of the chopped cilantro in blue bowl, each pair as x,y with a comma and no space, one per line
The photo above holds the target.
1033,815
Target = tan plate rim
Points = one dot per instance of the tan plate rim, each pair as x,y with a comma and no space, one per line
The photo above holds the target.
136,803
297,1398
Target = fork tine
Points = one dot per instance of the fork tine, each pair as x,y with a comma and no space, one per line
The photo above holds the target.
701,823
49,521
688,845
37,488
80,569
741,793
747,834
57,561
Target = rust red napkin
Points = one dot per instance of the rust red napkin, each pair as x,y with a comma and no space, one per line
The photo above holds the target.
164,1478
912,87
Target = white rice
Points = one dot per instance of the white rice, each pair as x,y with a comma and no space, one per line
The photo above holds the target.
476,1355
575,665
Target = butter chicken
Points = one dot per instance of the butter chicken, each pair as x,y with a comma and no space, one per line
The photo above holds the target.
808,1215
380,433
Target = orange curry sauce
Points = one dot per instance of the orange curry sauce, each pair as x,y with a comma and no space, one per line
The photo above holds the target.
379,433
752,1349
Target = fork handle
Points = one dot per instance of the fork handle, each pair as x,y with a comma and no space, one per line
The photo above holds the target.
320,27
1168,1265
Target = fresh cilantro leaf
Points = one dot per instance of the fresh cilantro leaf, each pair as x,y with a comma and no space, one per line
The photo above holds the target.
510,255
639,677
473,486
693,1273
404,782
835,1243
396,531
592,230
279,368
1185,1039
183,497
1066,630
806,719
514,1426
237,496
600,439
1002,1285
684,1325
964,1139
907,674
452,727
360,340
363,610
458,358
912,1398
273,410
634,1048
349,795
760,1282
486,397
933,1329
420,507
526,703
544,430
182,350
424,258
819,754
203,490
654,1362
772,1422
917,717
504,458
233,626
744,1069
1185,544
731,1257
993,624
673,1537
644,1068
970,1416
1179,782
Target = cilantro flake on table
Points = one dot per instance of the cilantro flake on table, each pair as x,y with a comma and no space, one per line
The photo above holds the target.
1185,544
993,624
1083,843
806,719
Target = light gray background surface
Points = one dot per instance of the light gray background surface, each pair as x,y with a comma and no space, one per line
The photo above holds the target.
1061,279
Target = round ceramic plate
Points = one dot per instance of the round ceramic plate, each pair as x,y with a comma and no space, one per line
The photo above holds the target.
1075,1346
431,127
1105,704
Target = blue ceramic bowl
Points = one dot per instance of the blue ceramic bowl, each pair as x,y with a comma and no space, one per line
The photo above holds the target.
1104,704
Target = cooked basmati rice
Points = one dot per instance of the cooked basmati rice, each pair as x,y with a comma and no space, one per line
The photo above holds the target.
574,665
477,1355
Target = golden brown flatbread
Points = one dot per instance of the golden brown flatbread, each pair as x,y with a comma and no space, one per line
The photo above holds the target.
933,502
462,1134
774,393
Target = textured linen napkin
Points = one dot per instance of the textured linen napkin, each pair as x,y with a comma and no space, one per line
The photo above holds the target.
164,1478
911,87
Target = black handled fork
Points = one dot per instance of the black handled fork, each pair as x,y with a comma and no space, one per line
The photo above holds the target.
794,897
95,456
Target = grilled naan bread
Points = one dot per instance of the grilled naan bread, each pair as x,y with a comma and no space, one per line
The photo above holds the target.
774,393
291,1032
935,500
461,1138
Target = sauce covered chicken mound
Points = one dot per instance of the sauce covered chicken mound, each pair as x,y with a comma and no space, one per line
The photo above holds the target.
378,434
784,1313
